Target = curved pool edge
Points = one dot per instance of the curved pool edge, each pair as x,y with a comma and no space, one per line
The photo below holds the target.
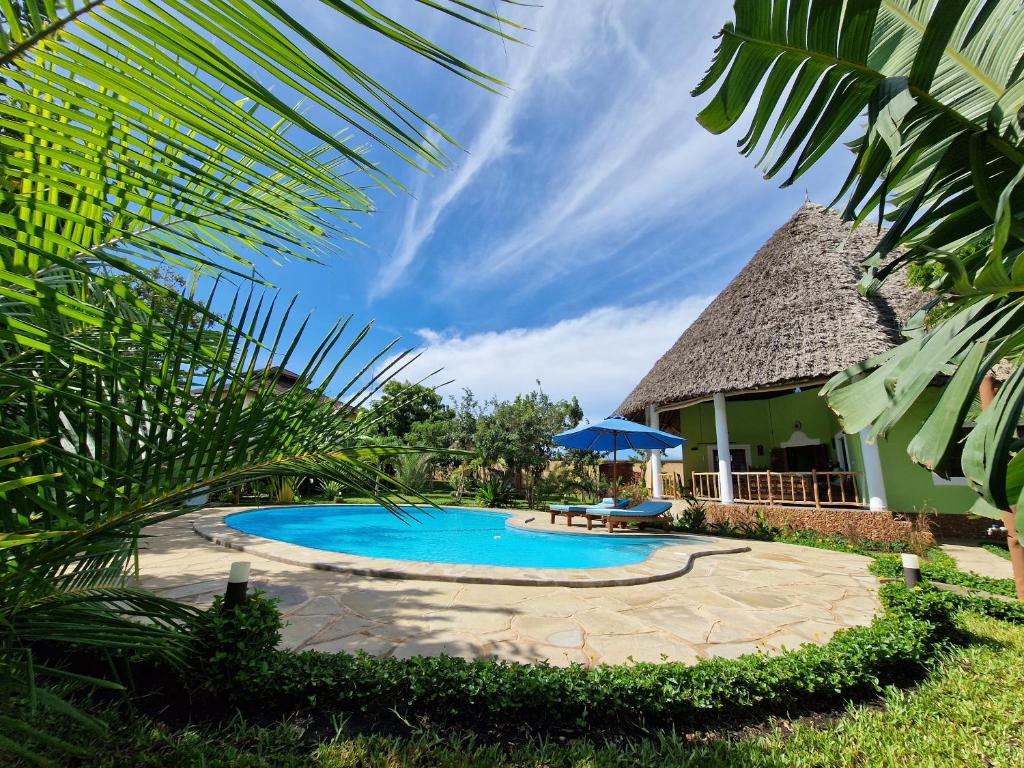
668,562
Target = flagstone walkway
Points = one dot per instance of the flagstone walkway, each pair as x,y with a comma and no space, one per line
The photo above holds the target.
980,561
775,596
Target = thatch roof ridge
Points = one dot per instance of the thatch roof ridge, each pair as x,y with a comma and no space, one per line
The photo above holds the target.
792,315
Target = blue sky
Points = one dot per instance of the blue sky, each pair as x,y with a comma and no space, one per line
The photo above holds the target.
587,218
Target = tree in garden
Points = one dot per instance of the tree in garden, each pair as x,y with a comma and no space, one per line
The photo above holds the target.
141,134
519,434
405,405
940,161
455,433
580,473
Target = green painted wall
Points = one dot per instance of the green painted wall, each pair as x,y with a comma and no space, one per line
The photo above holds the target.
769,423
909,487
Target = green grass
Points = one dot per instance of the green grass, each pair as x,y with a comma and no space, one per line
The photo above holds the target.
969,712
445,499
437,498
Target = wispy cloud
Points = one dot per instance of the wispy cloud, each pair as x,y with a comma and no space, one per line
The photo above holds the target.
490,143
598,356
633,150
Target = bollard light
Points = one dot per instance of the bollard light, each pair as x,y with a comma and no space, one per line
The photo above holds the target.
912,570
238,584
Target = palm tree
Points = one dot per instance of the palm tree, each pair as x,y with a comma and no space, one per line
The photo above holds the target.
140,133
941,160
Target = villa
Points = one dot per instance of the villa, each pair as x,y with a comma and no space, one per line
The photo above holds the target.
742,383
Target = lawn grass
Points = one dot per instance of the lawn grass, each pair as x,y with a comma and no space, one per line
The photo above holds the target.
969,712
446,500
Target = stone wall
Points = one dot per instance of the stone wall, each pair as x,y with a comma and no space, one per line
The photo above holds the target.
853,523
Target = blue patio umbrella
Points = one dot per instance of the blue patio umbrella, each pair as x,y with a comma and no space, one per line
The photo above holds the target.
613,433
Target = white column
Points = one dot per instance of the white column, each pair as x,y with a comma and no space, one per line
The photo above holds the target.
724,457
873,473
657,491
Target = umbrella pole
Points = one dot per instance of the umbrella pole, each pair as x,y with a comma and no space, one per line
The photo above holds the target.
615,469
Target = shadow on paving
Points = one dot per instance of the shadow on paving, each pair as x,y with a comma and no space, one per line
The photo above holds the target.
332,612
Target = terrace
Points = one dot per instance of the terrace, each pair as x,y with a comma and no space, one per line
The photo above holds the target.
719,607
827,488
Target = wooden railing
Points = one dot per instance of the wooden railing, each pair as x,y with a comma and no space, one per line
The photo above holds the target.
671,485
818,489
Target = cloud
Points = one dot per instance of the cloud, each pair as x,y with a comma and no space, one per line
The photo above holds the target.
597,135
598,357
491,142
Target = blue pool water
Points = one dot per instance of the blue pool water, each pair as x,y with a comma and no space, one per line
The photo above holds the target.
454,535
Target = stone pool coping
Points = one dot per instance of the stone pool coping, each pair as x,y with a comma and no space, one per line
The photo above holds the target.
668,562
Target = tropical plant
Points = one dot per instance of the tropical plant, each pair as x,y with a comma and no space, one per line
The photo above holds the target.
495,491
413,472
694,517
161,435
285,489
149,134
941,160
332,490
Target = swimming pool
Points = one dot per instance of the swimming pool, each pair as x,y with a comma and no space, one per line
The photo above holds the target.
454,535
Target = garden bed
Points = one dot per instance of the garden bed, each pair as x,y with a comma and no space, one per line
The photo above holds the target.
971,685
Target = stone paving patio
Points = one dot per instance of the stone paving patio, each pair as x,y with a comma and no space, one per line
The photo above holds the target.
980,561
774,596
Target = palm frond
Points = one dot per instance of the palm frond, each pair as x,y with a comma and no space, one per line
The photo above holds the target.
938,81
941,161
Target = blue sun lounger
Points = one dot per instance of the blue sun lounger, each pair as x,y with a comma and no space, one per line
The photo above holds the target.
571,510
644,513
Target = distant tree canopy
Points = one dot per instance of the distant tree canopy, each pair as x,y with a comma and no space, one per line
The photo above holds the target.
519,434
516,434
162,288
404,407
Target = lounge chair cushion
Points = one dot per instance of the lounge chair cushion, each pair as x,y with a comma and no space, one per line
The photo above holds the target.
641,510
606,503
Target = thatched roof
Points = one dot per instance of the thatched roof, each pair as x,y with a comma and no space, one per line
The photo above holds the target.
793,315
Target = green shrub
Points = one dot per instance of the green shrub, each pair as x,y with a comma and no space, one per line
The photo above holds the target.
487,694
923,602
694,518
635,492
759,530
940,605
284,490
233,651
414,472
333,491
840,542
495,491
941,567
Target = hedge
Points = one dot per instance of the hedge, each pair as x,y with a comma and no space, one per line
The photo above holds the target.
941,567
489,695
930,602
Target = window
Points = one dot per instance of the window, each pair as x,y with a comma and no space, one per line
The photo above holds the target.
739,456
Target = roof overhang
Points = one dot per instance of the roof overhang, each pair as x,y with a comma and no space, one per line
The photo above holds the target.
773,390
